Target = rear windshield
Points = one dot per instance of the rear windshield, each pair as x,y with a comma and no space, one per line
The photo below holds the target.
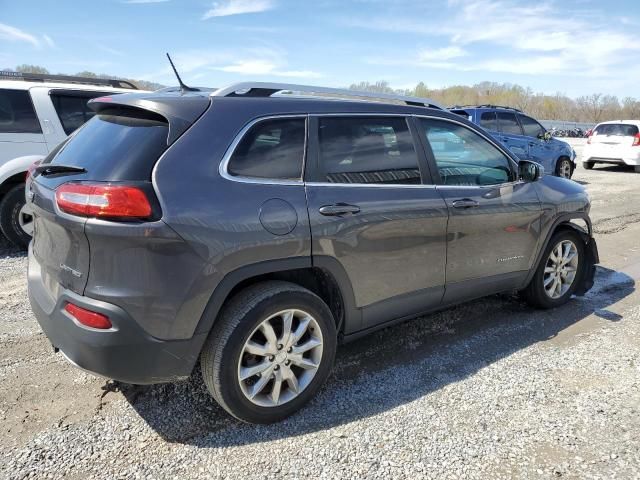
116,144
617,129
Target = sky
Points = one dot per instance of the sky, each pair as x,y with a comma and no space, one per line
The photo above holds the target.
574,47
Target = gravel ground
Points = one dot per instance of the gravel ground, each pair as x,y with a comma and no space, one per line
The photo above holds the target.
489,389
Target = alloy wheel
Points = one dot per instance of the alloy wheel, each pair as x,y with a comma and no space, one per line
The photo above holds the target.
561,269
25,220
565,169
280,358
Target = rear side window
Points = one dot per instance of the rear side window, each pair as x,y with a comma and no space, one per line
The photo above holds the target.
367,150
489,121
117,144
617,129
271,149
17,114
508,123
531,127
72,108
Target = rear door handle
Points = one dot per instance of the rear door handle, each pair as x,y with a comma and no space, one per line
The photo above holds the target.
465,203
338,209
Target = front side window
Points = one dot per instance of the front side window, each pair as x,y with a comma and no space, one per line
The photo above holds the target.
271,149
531,127
72,108
463,157
376,150
508,123
17,114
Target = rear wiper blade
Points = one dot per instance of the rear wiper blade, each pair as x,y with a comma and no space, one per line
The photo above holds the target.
49,169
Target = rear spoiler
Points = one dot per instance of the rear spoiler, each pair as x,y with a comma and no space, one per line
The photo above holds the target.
180,111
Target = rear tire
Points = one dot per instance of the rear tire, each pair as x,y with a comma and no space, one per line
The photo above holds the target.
537,292
14,219
637,168
588,165
237,346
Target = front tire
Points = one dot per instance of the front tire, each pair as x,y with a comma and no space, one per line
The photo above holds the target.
559,271
269,352
16,222
564,168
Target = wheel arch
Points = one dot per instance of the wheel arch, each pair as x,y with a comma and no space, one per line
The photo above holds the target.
325,277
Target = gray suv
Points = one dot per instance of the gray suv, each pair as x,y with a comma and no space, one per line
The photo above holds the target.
254,228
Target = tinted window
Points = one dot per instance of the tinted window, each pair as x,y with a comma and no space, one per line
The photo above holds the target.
117,144
367,150
618,129
488,120
72,109
16,113
508,123
271,149
530,126
463,157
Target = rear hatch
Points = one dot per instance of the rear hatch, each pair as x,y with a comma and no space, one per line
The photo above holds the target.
612,140
117,149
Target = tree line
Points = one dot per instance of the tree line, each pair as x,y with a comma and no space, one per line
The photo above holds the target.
141,84
592,108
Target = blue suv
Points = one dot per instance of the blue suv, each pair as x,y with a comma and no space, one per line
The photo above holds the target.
524,136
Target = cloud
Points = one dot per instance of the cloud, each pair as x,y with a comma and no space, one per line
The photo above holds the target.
48,40
516,37
13,34
262,67
226,8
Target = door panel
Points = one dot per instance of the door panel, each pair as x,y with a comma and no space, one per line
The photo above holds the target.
395,245
369,210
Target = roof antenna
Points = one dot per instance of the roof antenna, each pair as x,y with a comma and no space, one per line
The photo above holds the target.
183,87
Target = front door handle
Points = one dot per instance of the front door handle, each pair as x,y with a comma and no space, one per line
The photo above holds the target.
465,203
338,209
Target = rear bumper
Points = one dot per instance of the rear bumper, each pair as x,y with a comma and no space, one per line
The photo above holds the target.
626,156
125,352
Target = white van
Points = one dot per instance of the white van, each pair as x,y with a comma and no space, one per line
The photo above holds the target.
37,112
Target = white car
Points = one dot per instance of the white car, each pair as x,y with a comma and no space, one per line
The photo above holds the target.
37,112
616,142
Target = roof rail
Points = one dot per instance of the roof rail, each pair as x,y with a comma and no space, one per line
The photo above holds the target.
265,89
45,77
485,106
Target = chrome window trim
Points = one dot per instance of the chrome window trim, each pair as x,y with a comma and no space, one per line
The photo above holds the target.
223,168
492,142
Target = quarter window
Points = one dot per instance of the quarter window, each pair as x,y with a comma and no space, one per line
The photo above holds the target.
367,150
488,121
16,113
72,108
271,149
508,123
463,157
531,127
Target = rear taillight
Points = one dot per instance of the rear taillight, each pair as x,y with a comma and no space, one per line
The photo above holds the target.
87,317
103,201
636,140
31,168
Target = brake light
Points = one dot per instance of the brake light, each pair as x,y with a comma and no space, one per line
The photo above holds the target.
103,200
31,168
87,317
636,140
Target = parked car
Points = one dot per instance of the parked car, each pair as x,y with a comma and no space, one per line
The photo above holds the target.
253,230
616,143
37,112
524,136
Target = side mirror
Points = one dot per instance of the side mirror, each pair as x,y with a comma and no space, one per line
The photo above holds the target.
529,171
546,136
